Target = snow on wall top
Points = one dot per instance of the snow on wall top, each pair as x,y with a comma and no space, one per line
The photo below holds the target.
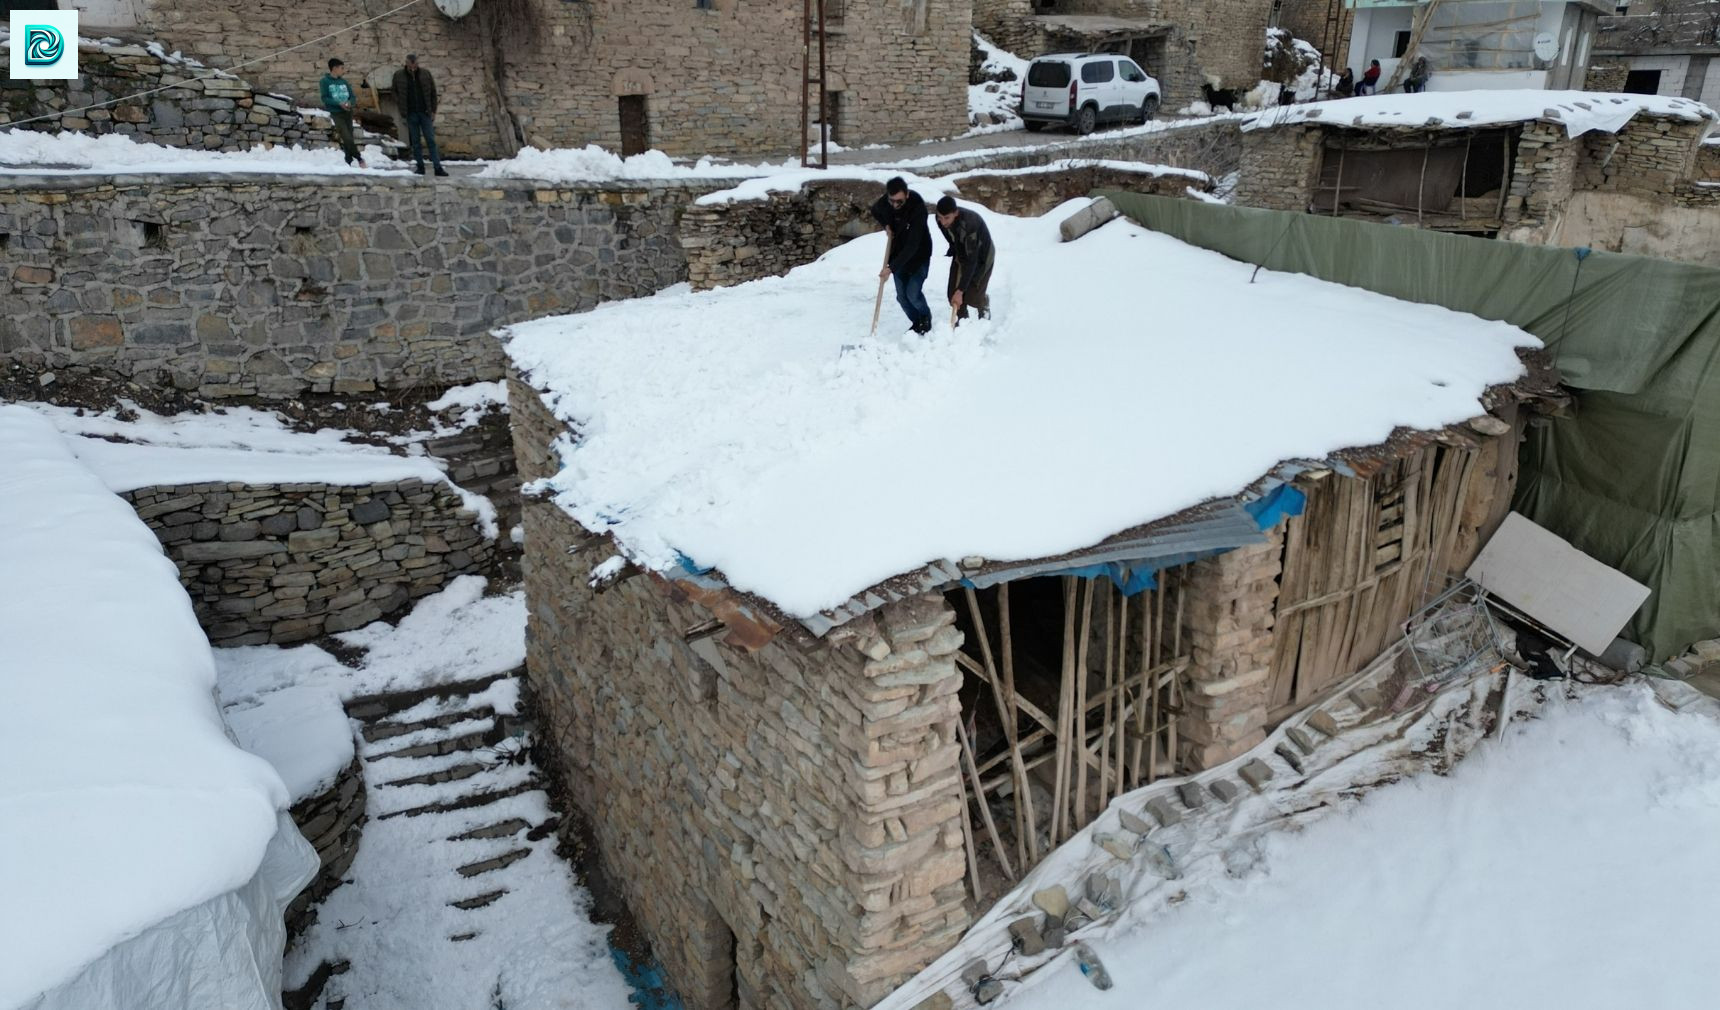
1579,111
122,800
1126,377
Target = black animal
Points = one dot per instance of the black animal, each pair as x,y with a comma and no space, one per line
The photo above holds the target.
1219,97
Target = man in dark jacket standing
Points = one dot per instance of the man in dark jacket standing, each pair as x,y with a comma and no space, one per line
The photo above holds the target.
903,214
415,94
972,256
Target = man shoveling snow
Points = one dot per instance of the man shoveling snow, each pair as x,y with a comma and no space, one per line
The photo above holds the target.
972,255
909,256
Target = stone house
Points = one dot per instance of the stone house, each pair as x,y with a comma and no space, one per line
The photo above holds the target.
809,777
1182,43
1668,52
1470,46
1534,179
687,77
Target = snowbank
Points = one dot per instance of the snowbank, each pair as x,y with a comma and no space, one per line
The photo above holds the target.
1579,111
302,731
994,105
241,444
1568,865
788,181
592,164
28,152
1069,164
1126,377
122,800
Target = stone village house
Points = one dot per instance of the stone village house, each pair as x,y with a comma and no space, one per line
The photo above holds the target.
808,779
687,77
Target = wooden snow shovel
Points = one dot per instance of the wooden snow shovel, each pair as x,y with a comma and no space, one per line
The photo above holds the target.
878,302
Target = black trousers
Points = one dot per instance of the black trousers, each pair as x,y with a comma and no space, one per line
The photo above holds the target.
343,130
975,287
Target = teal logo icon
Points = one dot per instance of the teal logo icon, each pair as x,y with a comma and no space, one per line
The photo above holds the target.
43,45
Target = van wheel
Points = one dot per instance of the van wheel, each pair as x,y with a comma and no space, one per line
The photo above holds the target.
1086,120
1149,108
1034,125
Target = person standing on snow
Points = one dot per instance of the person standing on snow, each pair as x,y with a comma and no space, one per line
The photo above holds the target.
337,99
415,94
903,214
972,256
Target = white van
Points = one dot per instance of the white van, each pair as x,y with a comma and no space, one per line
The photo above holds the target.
1082,90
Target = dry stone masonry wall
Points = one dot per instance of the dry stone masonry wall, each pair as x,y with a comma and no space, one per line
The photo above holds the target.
1231,606
289,562
1279,167
332,822
222,112
803,846
716,78
255,285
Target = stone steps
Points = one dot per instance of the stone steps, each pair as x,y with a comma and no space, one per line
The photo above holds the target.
489,736
377,732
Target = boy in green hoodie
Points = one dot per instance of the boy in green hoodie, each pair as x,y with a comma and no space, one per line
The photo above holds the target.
337,99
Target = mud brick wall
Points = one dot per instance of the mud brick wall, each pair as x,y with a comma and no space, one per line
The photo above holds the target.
288,562
222,113
803,845
1279,167
332,821
722,79
241,285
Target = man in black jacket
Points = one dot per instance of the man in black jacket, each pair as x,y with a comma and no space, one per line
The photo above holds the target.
901,211
415,94
972,256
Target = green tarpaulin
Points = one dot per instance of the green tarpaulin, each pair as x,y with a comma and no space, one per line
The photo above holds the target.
1634,477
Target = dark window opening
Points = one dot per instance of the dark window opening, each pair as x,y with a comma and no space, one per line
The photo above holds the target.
1048,74
5,241
832,119
705,5
1400,44
151,234
303,229
1453,181
1642,82
635,125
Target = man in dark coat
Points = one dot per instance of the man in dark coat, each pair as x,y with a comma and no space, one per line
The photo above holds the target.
972,256
903,214
415,94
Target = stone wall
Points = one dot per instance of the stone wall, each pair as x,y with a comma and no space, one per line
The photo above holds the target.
803,843
242,285
289,562
1606,75
1231,602
1222,39
1647,156
722,79
1279,167
732,243
219,113
1707,167
332,822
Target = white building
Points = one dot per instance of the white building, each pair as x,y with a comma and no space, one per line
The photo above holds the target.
1476,44
1668,52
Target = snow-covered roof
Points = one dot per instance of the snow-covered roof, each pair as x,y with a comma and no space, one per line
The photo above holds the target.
122,800
1578,111
1126,377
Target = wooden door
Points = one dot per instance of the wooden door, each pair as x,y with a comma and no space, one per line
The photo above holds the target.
635,125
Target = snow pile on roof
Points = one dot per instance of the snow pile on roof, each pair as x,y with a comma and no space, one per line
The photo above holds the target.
1579,111
1126,377
1074,164
301,730
238,444
122,800
1568,865
30,152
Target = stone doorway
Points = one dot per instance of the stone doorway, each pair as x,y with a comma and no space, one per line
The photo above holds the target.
635,125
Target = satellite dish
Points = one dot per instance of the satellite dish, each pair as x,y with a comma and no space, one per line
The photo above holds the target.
455,8
1546,45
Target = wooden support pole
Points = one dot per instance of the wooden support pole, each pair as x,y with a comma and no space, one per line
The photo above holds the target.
1078,735
967,838
984,809
1024,794
1065,712
1004,696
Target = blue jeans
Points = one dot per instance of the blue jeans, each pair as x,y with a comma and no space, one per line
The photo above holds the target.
911,295
421,125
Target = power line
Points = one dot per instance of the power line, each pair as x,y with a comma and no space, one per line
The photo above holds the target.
213,74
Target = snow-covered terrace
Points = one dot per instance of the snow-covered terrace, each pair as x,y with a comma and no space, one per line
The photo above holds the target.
1126,378
122,800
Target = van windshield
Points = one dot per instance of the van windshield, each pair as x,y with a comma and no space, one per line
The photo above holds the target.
1048,75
